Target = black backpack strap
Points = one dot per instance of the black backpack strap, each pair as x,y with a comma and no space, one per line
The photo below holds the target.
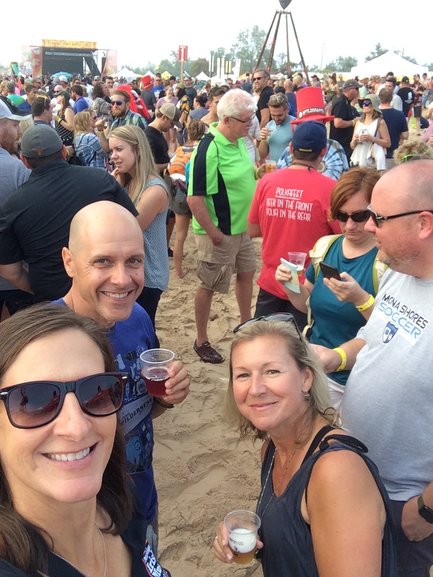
316,441
345,440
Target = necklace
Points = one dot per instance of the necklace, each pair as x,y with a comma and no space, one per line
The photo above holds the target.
104,574
277,485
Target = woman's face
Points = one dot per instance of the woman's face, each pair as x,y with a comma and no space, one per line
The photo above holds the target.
62,461
354,231
268,386
169,91
122,155
60,99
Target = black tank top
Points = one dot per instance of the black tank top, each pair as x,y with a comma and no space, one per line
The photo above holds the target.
288,548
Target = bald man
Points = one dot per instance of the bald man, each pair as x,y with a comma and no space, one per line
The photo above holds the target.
105,260
388,402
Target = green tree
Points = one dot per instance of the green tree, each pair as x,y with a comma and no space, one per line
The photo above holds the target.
400,53
247,47
201,64
341,64
378,51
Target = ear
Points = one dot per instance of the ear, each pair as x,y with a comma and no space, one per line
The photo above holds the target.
25,162
68,261
426,225
308,380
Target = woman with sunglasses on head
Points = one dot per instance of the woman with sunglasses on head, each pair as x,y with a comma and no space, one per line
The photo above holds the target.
339,308
323,509
66,506
136,171
370,138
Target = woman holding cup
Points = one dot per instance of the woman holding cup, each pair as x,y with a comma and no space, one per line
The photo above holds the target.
66,505
323,509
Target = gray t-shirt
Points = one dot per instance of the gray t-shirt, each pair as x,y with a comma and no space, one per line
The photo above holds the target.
13,174
388,403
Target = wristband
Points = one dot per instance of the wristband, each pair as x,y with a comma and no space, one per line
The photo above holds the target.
343,358
162,403
368,303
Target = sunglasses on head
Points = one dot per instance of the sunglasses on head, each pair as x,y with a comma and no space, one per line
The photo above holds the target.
117,102
37,403
273,317
357,216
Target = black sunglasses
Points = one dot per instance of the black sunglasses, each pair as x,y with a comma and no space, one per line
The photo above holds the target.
378,220
117,102
273,317
37,403
258,78
357,216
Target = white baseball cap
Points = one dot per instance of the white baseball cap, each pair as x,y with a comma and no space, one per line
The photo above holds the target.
9,111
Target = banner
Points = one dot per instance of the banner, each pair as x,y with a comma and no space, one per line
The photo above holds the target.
69,44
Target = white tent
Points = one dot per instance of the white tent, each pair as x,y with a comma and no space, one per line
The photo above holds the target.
388,62
128,74
202,76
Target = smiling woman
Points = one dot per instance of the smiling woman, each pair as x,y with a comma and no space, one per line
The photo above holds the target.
278,392
62,466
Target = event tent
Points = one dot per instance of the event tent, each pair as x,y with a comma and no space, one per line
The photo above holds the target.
202,76
388,62
128,74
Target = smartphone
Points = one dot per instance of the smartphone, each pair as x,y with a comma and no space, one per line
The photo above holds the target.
329,271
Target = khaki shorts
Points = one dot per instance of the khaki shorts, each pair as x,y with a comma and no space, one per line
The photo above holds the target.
216,264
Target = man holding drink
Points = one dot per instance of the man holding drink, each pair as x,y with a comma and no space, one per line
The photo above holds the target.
105,262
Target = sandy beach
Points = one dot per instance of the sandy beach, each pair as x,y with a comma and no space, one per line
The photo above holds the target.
202,470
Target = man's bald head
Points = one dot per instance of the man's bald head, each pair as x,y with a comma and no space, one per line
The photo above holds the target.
105,260
96,219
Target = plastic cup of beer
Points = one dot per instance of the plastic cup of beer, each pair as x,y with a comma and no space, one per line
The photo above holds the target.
297,258
154,368
242,527
270,165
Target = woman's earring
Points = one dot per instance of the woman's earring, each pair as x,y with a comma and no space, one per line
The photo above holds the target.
307,396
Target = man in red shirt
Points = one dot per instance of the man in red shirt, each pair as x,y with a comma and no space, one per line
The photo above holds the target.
290,212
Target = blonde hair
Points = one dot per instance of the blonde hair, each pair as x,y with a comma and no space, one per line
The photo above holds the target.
144,163
299,349
82,121
412,150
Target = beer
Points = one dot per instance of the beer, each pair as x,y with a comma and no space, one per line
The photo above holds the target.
155,379
242,542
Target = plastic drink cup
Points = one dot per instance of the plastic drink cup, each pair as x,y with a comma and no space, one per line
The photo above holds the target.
154,368
297,258
242,527
270,165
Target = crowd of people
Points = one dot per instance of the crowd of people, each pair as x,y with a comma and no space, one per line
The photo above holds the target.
94,178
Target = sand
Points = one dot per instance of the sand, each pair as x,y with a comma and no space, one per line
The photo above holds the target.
202,471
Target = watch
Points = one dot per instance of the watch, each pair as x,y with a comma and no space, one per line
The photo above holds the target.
425,512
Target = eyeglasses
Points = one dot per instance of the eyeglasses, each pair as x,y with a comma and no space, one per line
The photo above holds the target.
273,317
250,119
56,92
378,220
117,102
258,78
366,103
37,403
357,216
409,157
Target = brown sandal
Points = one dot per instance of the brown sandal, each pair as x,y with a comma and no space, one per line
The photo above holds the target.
207,353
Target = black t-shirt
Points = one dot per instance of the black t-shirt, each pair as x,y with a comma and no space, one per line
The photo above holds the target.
407,96
35,220
396,123
344,110
158,145
149,99
262,103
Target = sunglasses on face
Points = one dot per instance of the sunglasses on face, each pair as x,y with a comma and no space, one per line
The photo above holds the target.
273,317
37,403
258,78
117,102
357,216
366,103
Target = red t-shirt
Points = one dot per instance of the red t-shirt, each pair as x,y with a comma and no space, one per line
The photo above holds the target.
291,207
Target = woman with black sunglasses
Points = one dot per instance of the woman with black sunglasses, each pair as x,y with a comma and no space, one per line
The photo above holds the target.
370,138
338,307
65,501
323,508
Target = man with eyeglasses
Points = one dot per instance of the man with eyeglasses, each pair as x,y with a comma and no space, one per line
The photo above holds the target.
345,116
388,401
220,191
262,92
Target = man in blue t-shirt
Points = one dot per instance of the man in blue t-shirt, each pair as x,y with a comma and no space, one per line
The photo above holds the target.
105,262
